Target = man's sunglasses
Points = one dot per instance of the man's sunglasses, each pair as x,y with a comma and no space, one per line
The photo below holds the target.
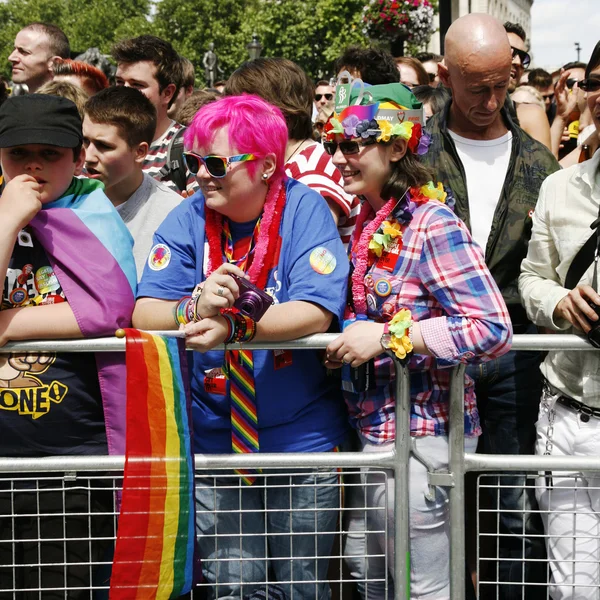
215,165
346,147
525,58
591,84
328,97
571,82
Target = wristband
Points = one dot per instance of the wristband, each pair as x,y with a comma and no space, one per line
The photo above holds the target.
182,311
241,328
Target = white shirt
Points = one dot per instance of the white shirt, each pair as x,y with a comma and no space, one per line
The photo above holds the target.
567,205
485,163
145,210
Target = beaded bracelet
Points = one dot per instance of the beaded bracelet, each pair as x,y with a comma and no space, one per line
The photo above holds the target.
397,334
241,328
183,311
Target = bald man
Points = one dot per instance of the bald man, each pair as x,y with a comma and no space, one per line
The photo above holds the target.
495,170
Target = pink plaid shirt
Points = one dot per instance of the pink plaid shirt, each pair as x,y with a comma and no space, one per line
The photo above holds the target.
441,276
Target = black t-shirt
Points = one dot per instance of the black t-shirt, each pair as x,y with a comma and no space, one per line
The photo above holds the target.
50,404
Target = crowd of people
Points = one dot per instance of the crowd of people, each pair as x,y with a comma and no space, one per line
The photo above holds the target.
415,206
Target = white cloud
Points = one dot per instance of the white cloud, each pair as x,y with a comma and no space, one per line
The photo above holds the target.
555,27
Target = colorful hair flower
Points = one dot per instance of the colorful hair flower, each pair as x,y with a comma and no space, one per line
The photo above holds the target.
349,124
403,130
385,131
336,126
413,142
424,144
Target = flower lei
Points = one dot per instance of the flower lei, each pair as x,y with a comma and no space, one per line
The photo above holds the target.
373,239
267,237
383,131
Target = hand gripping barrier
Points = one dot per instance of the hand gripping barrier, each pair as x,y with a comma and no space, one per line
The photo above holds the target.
396,460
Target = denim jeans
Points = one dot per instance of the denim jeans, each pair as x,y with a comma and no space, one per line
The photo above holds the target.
508,390
279,530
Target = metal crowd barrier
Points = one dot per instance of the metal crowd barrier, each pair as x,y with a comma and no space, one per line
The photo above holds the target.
396,460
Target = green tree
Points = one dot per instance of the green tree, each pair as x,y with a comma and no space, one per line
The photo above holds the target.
309,32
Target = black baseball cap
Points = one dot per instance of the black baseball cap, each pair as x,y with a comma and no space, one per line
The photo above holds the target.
40,119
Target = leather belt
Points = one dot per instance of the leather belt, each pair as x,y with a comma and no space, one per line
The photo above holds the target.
582,409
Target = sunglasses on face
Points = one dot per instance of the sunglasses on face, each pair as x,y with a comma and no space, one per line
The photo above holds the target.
571,82
328,97
346,147
215,165
525,58
591,84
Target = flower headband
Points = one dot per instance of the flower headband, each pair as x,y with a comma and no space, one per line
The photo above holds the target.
379,111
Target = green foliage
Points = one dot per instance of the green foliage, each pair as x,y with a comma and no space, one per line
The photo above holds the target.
309,32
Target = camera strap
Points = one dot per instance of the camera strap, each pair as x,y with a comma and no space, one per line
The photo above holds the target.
587,254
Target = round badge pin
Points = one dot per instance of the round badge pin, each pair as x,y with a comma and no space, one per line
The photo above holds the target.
160,257
322,260
369,281
383,288
18,296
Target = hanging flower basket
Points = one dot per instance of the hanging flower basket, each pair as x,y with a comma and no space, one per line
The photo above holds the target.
388,20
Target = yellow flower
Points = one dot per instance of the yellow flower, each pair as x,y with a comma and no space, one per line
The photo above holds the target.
403,130
375,247
391,229
386,131
435,193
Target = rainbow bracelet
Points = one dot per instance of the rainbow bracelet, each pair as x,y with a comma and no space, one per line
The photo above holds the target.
182,313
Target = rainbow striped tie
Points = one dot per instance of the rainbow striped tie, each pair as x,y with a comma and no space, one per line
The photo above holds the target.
244,419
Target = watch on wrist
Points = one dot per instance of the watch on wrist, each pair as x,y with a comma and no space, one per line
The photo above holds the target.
386,337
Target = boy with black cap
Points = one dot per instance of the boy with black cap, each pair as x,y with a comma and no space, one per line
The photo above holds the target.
65,252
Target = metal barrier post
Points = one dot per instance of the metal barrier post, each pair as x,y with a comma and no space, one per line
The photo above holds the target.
401,483
456,466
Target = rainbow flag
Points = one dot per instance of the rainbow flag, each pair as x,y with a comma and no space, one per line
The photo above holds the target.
155,551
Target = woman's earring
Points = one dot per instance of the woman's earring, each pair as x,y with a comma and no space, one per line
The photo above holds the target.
265,176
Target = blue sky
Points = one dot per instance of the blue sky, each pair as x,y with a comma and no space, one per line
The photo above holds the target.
555,27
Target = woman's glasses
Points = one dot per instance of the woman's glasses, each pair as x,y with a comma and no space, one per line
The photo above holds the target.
328,97
215,165
591,84
346,147
525,58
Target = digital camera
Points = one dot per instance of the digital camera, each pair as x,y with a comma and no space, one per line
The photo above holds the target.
593,334
253,302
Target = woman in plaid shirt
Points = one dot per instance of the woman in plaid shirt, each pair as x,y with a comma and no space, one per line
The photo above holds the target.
420,288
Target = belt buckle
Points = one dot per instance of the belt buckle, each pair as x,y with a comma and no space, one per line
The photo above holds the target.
586,410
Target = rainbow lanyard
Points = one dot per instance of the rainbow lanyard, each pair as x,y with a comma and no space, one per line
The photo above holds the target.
229,250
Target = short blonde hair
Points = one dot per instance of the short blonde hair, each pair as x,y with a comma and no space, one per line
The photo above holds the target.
67,90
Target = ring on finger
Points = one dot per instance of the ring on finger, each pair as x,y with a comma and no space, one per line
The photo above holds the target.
220,291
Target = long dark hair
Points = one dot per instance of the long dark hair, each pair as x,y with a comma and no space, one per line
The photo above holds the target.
408,172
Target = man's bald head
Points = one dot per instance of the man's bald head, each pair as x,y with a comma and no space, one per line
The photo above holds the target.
478,36
477,69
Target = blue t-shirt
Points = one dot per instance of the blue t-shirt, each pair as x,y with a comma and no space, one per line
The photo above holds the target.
299,407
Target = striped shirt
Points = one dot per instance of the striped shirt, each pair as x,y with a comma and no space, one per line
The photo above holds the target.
157,158
441,276
314,168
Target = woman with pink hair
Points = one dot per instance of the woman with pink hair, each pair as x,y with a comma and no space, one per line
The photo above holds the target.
253,255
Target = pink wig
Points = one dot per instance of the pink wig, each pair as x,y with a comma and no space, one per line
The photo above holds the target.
255,127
